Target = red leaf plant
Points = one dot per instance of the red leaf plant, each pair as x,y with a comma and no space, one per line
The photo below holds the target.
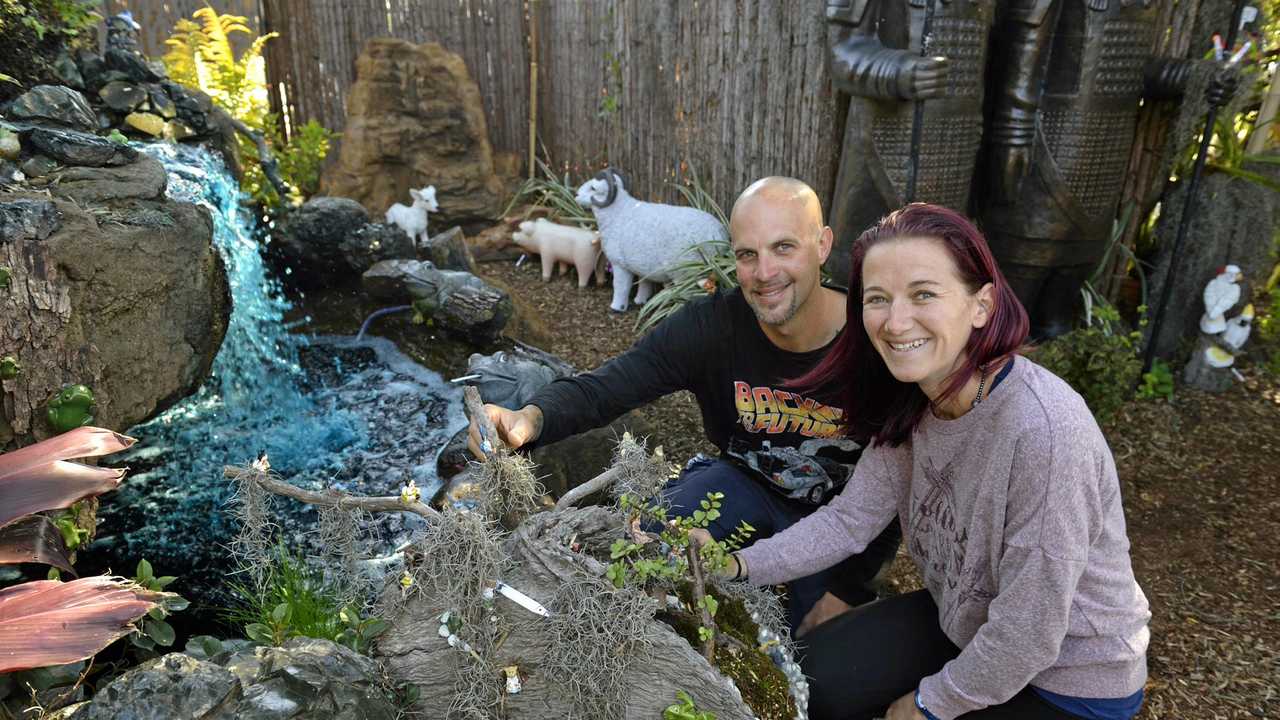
50,622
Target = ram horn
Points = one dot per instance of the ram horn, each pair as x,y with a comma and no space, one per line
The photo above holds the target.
612,178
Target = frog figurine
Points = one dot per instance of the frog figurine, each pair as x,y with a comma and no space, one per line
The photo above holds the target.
71,408
9,367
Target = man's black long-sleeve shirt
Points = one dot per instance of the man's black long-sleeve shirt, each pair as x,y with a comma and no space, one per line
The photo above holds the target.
713,347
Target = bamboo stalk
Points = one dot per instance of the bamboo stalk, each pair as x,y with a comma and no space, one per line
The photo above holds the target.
533,86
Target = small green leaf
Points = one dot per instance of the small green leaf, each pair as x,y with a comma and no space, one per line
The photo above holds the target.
143,573
176,603
164,581
160,631
259,633
280,613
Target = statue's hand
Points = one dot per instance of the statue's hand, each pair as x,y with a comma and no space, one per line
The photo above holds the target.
1222,87
921,78
1011,164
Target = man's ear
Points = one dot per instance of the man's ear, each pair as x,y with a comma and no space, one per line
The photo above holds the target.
825,240
986,303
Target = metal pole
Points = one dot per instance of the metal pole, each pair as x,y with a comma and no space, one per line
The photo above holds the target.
1188,207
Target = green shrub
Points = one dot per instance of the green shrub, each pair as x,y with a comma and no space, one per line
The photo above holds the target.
293,601
1100,361
200,56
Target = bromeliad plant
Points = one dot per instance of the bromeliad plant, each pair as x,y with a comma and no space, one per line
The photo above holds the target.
49,622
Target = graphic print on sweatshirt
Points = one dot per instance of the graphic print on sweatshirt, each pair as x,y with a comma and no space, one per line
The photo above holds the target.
763,409
939,540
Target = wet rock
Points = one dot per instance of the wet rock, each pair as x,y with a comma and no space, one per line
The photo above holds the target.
143,179
91,68
415,118
75,148
178,131
54,104
448,251
38,166
10,174
131,64
161,104
122,95
311,241
306,679
373,243
146,123
193,108
28,220
172,687
459,302
65,68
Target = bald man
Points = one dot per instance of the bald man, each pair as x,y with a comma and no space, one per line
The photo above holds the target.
781,453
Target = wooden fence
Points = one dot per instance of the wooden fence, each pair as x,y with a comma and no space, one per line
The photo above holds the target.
157,18
734,89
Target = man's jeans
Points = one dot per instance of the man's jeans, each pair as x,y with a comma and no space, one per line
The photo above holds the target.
746,498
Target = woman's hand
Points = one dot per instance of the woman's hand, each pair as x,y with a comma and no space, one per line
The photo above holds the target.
904,708
699,537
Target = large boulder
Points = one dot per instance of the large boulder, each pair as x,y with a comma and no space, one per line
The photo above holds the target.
129,298
311,241
414,118
77,148
306,679
143,179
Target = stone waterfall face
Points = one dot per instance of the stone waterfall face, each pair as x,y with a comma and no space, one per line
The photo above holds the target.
329,412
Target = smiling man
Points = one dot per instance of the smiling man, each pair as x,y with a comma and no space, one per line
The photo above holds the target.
781,453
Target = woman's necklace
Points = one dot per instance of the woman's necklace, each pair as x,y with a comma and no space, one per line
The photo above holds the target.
982,381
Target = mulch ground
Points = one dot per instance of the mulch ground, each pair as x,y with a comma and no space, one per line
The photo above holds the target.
1201,482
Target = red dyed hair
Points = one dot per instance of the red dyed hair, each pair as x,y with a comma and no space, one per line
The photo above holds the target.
878,408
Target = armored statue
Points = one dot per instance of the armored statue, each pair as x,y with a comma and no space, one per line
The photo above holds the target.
914,69
1067,77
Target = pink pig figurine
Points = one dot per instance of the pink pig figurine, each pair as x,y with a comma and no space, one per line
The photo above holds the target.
564,245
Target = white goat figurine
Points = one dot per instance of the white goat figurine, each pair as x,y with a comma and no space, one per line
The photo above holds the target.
413,218
641,239
562,245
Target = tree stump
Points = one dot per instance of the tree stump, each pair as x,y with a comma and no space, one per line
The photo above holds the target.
1203,376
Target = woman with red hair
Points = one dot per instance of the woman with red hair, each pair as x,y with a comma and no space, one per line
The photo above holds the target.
1007,494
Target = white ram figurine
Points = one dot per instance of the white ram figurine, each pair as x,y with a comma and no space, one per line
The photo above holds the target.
562,245
641,239
413,218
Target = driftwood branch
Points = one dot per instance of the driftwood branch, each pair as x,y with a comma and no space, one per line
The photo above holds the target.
595,484
266,158
475,411
332,498
699,595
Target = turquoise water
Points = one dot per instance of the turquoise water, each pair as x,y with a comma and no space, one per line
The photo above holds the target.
329,412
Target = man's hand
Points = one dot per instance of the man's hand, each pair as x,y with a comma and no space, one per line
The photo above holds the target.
922,78
828,607
904,708
515,427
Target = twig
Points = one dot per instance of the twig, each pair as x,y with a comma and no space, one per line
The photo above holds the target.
699,599
488,433
595,484
333,498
